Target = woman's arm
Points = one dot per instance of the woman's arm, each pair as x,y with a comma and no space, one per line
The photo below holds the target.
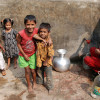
18,38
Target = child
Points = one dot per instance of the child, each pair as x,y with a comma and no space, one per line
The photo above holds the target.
2,62
27,47
10,44
44,57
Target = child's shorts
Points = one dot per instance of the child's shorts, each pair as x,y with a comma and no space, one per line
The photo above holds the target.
31,63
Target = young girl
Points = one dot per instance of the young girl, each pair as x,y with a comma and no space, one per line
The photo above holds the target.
2,62
10,44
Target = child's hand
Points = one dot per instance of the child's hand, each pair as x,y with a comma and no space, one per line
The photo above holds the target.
26,58
45,63
50,42
1,22
45,42
3,50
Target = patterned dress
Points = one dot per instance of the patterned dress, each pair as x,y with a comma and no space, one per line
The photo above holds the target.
10,43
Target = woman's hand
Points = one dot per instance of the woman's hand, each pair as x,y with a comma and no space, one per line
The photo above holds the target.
97,51
88,41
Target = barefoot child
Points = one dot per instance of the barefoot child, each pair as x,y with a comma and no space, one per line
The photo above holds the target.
44,57
27,48
2,62
10,43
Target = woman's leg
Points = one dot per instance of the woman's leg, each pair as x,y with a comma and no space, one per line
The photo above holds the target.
93,62
34,77
27,76
8,65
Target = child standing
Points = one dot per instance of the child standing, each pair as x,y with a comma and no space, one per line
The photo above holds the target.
27,48
44,57
2,62
10,44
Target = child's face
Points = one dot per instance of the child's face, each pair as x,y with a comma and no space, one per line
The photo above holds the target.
8,25
30,25
43,33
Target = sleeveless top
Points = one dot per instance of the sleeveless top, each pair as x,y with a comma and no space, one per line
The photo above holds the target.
27,43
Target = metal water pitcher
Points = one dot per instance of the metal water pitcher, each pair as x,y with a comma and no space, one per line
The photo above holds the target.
61,63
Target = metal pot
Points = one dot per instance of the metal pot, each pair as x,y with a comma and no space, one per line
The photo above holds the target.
61,63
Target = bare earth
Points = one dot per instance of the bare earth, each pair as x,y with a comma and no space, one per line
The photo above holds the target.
74,84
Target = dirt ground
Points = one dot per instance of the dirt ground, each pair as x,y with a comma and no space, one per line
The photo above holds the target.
75,84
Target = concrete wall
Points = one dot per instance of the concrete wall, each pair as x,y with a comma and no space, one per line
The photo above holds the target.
69,19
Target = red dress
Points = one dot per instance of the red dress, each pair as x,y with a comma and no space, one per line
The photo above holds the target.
27,43
93,61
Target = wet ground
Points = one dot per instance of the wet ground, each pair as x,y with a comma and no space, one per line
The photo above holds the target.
75,84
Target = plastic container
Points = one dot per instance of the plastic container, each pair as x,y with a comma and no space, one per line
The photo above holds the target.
96,87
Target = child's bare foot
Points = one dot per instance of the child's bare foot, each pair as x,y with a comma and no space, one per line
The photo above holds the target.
50,91
3,72
34,86
15,66
30,90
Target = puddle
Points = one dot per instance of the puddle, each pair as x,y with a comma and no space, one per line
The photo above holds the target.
3,81
14,97
31,96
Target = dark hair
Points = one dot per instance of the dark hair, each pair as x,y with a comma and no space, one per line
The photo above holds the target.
44,25
30,17
5,21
